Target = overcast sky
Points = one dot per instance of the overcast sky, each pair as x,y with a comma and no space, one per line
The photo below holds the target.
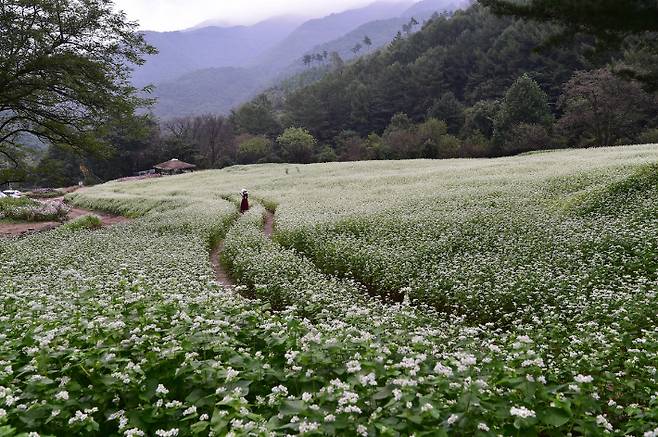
181,14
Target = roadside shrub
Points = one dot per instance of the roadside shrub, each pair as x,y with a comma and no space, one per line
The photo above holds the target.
84,222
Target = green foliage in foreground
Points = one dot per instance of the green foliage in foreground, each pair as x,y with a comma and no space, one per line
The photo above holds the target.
456,297
84,222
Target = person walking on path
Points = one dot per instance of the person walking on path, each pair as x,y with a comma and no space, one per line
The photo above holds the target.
244,205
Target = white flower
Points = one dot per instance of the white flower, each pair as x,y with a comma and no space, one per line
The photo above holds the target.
426,407
231,373
171,433
133,432
329,418
62,396
190,410
3,413
161,390
362,430
483,427
305,427
603,423
442,370
79,417
452,419
368,379
521,412
353,366
583,379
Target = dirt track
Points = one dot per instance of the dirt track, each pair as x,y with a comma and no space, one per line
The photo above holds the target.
221,275
18,229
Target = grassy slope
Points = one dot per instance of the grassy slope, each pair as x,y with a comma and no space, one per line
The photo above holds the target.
309,192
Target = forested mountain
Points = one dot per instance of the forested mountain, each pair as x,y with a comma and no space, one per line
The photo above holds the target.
473,55
467,84
183,73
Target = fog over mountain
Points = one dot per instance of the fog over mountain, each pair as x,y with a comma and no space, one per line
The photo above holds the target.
213,69
186,51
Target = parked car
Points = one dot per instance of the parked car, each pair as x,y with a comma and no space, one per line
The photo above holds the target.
13,193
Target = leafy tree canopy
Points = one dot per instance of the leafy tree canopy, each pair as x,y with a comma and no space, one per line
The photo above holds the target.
604,18
64,71
297,145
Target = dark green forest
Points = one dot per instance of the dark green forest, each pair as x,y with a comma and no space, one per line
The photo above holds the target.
468,84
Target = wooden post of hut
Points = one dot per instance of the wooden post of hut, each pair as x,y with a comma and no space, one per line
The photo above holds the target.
173,167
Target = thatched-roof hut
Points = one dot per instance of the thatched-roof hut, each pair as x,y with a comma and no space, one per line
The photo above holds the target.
174,167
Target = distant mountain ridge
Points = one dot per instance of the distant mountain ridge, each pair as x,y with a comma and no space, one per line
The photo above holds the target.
182,52
193,77
321,30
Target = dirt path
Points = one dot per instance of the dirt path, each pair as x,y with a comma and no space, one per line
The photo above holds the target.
221,275
18,229
268,227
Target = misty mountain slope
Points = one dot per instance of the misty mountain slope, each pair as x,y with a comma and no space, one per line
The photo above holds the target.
219,90
382,32
426,8
319,31
212,90
186,51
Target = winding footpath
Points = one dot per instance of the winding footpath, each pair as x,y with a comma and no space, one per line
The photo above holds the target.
222,276
20,229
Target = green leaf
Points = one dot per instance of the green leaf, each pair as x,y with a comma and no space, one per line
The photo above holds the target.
554,417
7,431
382,394
292,407
199,427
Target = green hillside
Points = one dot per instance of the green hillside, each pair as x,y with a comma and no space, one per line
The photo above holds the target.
472,84
513,296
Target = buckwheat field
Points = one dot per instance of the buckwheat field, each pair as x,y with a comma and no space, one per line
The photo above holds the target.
514,297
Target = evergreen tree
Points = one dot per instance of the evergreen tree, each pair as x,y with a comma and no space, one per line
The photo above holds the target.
525,102
256,117
604,18
450,110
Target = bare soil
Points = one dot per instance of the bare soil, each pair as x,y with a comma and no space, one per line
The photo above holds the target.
221,275
268,227
19,229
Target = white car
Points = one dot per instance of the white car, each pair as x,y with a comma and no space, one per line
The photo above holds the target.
2,195
13,193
